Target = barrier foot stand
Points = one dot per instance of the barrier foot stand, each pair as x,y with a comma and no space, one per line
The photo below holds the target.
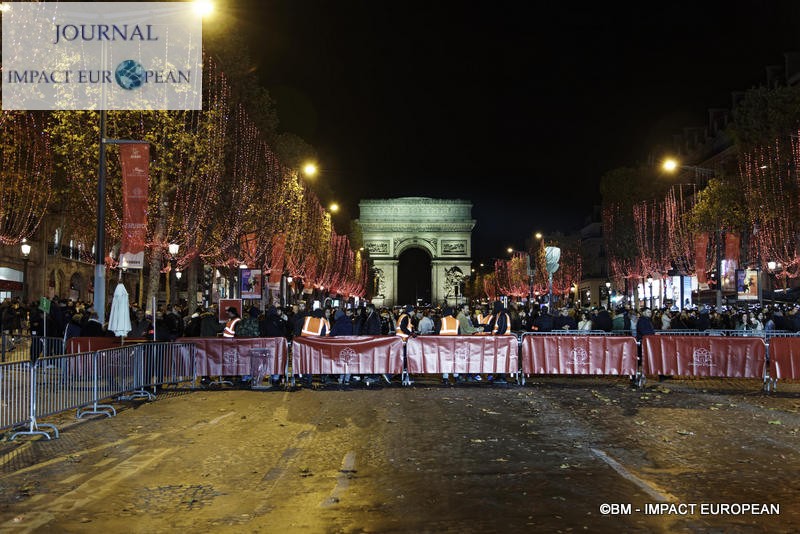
35,429
220,380
640,381
138,394
107,410
406,379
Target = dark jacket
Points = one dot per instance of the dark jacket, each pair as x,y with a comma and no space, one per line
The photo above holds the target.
372,324
272,325
644,327
93,328
342,326
603,321
543,323
209,325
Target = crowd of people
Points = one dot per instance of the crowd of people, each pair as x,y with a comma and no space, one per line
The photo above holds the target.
68,318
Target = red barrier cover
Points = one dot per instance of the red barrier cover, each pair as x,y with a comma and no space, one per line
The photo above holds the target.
712,356
76,345
462,354
784,358
218,356
347,354
579,355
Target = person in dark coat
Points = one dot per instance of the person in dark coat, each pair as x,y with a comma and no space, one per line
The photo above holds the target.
93,327
543,323
272,324
644,326
209,324
341,324
372,322
602,321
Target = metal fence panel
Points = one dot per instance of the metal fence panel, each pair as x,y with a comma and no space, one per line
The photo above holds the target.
15,393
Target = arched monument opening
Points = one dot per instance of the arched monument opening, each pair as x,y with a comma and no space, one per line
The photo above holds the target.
414,277
442,229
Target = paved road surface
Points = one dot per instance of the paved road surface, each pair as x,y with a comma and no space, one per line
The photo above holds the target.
544,457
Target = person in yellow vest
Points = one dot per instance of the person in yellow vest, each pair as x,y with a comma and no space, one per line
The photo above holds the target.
233,319
449,327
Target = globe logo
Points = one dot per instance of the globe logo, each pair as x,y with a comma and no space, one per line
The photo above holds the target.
129,74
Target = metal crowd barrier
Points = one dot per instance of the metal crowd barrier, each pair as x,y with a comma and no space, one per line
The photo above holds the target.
49,385
22,348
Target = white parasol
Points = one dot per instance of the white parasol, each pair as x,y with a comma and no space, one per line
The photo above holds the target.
119,321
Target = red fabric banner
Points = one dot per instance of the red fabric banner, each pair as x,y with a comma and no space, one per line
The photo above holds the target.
709,356
733,244
77,345
216,356
784,358
700,248
276,258
347,354
248,243
135,160
462,354
579,355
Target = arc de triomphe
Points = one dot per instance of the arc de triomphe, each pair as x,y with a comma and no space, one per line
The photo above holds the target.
442,228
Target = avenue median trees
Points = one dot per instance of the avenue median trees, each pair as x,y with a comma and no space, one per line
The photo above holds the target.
26,175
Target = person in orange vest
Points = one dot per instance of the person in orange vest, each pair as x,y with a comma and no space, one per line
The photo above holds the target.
404,330
315,324
501,326
233,319
405,327
449,327
485,320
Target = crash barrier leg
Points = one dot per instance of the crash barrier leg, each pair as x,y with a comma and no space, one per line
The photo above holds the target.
263,366
34,427
96,408
137,358
704,356
405,377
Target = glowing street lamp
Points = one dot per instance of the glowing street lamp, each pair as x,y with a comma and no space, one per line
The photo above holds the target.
25,248
334,207
203,7
310,170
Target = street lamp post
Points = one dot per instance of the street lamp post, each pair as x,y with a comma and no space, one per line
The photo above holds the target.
608,295
650,283
173,249
25,248
671,165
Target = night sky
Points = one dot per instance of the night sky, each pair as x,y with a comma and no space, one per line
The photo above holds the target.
519,107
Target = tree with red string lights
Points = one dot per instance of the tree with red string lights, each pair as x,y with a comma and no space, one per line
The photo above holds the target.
27,175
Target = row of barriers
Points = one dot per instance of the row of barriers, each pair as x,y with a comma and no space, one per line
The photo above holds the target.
50,384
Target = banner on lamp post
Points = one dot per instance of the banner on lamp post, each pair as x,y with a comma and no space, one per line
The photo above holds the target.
135,160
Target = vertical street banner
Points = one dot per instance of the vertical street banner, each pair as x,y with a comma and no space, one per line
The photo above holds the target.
135,160
700,249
